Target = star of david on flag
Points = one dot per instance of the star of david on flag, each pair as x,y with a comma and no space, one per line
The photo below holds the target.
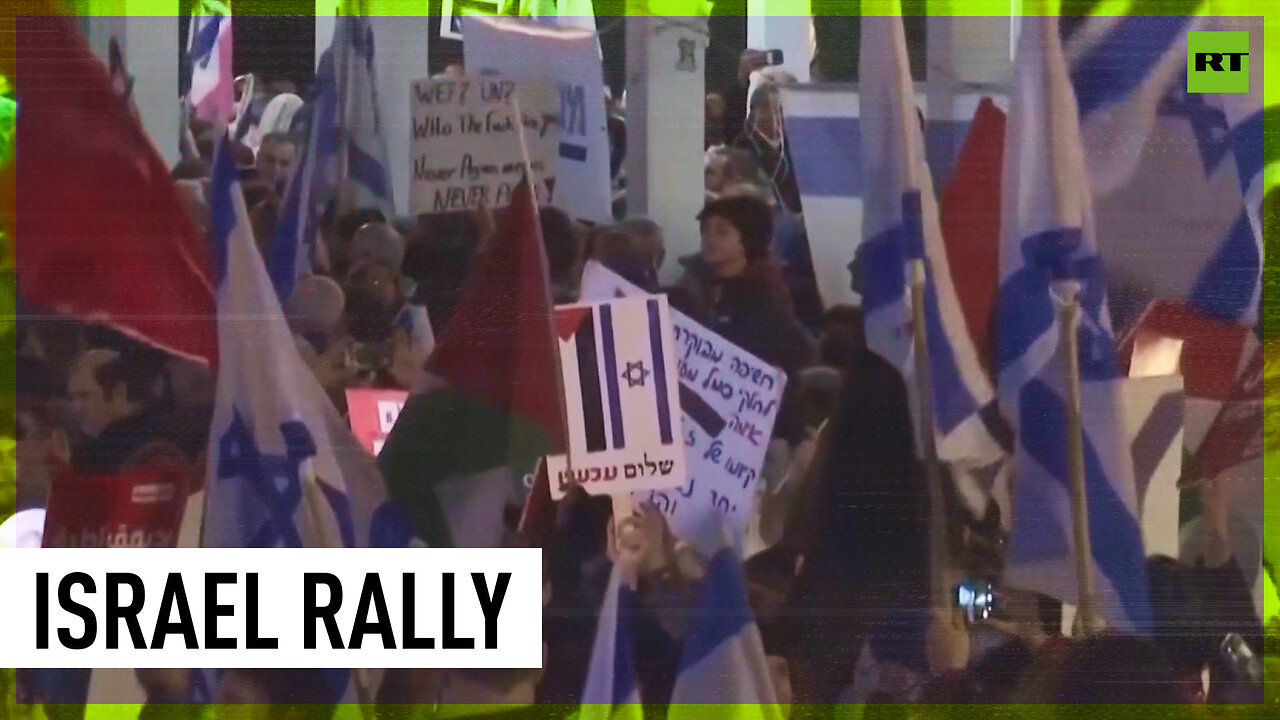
286,471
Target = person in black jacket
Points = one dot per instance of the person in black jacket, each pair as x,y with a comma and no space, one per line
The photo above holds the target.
865,574
734,287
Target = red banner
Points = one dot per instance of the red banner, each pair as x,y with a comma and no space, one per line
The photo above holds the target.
136,508
372,414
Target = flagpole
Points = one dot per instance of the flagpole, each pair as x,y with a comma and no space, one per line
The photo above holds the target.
1066,295
938,555
542,254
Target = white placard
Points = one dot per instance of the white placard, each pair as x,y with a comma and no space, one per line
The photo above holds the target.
570,58
262,595
729,401
466,148
452,13
621,398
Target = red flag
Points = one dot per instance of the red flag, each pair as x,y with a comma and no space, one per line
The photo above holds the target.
969,211
102,234
1213,351
1236,434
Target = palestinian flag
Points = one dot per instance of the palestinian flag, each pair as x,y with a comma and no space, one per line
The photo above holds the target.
488,405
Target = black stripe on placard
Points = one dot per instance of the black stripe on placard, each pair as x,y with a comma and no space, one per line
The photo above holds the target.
589,381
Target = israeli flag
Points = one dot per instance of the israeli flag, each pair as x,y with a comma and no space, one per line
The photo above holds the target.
1047,236
899,226
722,660
313,185
209,87
362,151
612,692
284,470
1163,163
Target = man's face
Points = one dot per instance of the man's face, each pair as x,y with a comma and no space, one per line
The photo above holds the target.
275,163
92,408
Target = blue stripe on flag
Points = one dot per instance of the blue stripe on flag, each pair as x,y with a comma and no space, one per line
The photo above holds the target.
1229,280
659,372
624,669
206,38
1247,145
827,153
1117,65
1024,311
1154,439
611,376
282,257
952,401
912,226
222,219
577,153
1113,529
883,280
720,609
367,170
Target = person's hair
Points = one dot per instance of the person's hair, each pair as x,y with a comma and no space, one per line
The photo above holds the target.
281,138
346,225
1176,624
750,216
741,166
563,251
138,370
842,335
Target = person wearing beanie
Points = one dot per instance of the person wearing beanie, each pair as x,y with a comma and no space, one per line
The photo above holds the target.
734,287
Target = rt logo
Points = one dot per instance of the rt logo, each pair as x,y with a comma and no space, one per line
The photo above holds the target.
1217,62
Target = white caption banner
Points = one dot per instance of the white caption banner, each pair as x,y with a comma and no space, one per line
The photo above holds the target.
263,600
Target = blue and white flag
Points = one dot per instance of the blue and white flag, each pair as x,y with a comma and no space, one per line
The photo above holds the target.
722,660
209,87
900,226
1163,163
1047,236
362,152
284,470
612,692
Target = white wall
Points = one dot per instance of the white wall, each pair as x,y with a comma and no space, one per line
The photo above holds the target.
665,130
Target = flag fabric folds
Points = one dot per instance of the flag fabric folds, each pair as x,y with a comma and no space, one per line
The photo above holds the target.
722,659
103,235
210,88
1186,168
361,149
900,226
284,470
1048,236
488,405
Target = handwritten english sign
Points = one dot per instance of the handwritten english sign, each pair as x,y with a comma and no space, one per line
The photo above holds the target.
466,144
729,400
621,398
372,413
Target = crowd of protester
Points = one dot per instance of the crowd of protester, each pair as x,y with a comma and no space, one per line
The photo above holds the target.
839,585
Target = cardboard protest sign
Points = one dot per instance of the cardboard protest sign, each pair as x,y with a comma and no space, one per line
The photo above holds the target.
729,400
372,414
466,148
135,508
569,58
621,398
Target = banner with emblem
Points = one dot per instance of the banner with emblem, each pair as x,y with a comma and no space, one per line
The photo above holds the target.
621,396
